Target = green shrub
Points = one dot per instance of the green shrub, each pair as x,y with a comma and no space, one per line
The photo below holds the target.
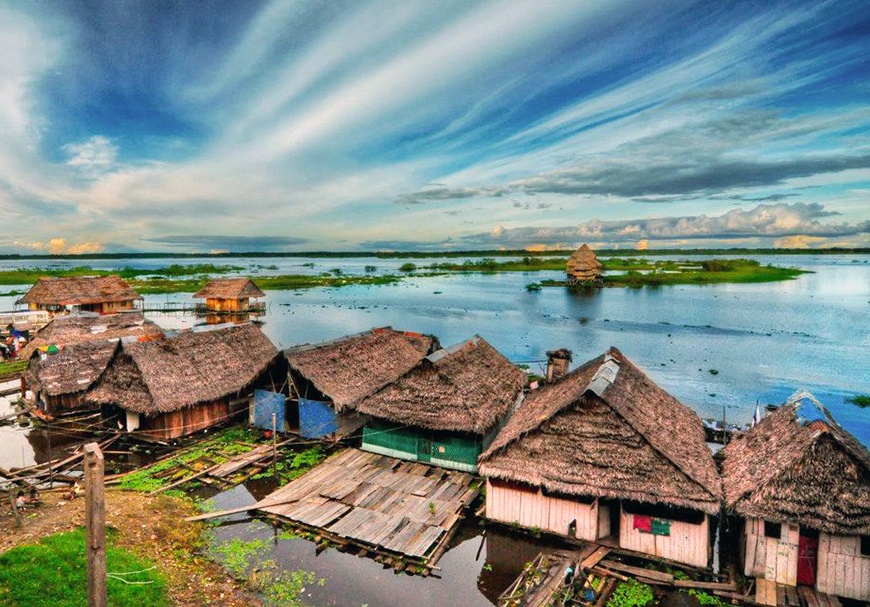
631,593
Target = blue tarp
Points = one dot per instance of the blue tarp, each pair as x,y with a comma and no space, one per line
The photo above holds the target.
316,418
265,404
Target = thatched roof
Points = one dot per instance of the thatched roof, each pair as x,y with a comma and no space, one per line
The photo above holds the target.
350,368
607,430
179,371
229,288
799,466
78,290
73,369
73,329
583,264
469,387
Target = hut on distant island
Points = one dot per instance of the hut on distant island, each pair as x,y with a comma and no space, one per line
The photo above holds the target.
179,384
445,410
802,484
328,379
73,329
100,294
605,452
584,268
230,295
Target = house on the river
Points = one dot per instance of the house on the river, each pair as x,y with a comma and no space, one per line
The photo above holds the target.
328,379
100,294
583,268
73,329
445,410
603,453
801,484
181,383
230,295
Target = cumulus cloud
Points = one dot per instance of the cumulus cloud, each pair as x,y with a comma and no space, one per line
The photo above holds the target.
798,241
92,157
765,220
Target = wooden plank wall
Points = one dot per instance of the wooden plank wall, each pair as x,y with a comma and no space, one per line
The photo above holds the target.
687,543
533,509
842,570
770,558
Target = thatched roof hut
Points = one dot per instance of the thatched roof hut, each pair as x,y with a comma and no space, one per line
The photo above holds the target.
798,466
469,387
348,369
607,430
175,372
74,329
583,266
229,288
79,291
71,371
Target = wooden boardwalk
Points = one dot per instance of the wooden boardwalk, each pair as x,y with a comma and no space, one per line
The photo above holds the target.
384,505
768,592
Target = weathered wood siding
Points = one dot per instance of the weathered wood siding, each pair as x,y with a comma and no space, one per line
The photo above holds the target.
226,305
770,558
185,421
65,403
529,507
687,543
842,570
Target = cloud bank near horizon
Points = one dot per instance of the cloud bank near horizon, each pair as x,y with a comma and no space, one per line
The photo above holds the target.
332,126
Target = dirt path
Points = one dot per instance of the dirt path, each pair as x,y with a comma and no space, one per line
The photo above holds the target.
152,527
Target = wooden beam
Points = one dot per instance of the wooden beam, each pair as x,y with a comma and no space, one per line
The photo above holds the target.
657,576
724,586
95,523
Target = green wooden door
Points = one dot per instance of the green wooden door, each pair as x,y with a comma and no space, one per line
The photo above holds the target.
424,449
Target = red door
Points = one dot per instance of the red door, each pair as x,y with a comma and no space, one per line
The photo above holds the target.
808,550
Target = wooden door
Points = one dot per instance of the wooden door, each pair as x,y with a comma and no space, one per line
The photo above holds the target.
808,551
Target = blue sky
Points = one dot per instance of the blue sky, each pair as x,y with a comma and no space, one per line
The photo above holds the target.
280,125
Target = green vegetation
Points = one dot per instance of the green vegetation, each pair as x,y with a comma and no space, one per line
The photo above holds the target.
859,400
490,264
407,267
294,466
54,572
237,555
31,275
12,367
706,598
153,286
631,593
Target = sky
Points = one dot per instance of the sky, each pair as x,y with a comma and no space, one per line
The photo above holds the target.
401,125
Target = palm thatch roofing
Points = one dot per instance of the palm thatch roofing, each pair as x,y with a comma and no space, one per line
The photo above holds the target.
350,368
192,367
584,265
78,290
73,369
229,288
798,466
73,329
607,430
469,387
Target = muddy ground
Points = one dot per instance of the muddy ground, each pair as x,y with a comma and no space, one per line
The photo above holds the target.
151,527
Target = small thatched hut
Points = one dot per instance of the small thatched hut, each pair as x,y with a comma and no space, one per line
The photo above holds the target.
59,381
100,294
72,329
230,295
328,379
584,267
177,385
802,484
605,452
445,410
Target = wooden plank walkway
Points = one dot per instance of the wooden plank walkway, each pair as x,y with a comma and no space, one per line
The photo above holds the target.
768,592
379,503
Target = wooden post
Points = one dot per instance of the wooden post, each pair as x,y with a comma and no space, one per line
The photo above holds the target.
274,447
95,521
50,469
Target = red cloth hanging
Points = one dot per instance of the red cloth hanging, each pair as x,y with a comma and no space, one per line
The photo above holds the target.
642,522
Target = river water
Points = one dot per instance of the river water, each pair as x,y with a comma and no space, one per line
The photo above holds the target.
715,347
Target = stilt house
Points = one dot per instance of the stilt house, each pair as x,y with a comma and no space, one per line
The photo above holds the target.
73,329
584,267
802,485
100,294
177,385
60,380
446,409
603,453
230,295
328,379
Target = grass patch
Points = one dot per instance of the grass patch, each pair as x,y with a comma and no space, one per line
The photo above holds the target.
12,367
54,572
631,593
292,467
859,400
